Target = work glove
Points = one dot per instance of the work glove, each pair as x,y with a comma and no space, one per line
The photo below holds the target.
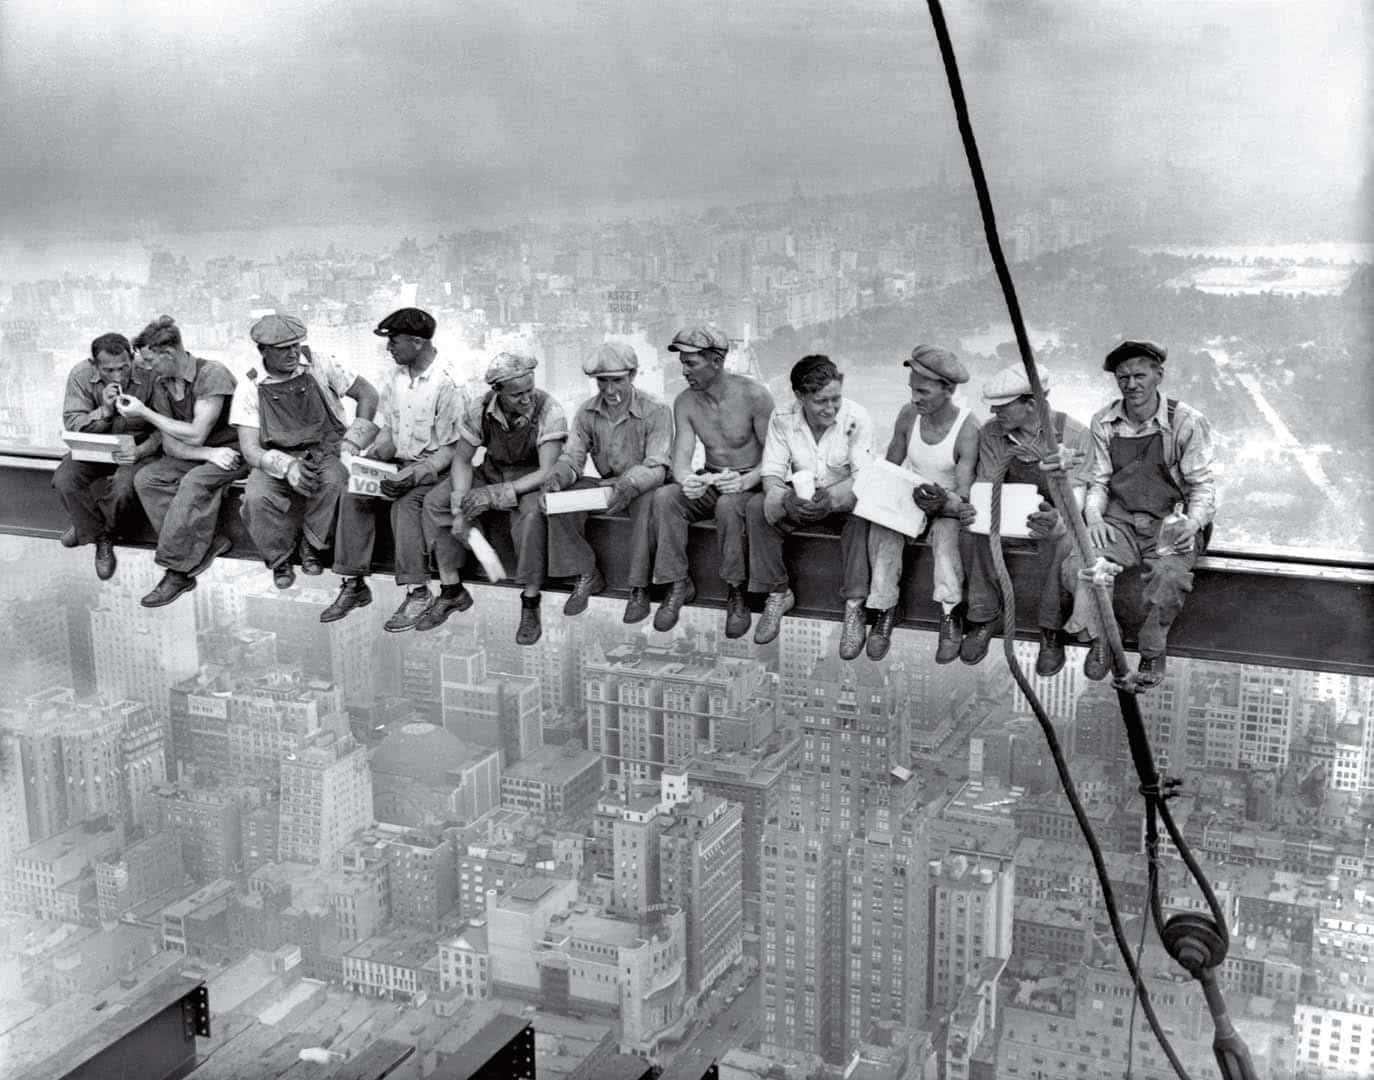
303,478
1045,522
623,492
553,482
931,498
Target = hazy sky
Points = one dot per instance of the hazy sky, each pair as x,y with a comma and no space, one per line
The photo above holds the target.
198,114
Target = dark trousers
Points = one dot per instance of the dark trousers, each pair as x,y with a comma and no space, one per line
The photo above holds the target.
525,525
767,571
182,500
985,594
275,515
356,534
571,556
97,496
674,513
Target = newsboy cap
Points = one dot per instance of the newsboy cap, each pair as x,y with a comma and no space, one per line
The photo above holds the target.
1011,383
277,330
694,339
407,320
936,363
1129,350
508,365
611,358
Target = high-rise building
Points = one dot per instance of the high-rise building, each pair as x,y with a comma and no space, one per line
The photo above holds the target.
339,652
1268,707
424,878
14,810
35,634
208,823
37,729
112,755
560,780
1057,694
971,915
326,797
801,644
487,707
423,775
142,871
635,854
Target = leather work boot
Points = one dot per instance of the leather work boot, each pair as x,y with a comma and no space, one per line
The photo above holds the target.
770,622
68,538
977,638
172,585
951,639
408,614
681,592
737,613
1098,663
636,607
1050,659
353,593
310,560
530,629
880,637
219,546
1150,672
588,585
441,607
283,574
105,561
854,630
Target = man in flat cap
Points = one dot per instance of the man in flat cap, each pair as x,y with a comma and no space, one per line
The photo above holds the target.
1010,447
1150,456
417,418
292,428
729,414
98,496
938,440
523,430
628,434
829,436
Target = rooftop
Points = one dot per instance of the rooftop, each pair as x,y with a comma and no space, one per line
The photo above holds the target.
552,764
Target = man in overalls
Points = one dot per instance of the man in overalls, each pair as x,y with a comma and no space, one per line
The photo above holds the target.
291,424
1149,454
1010,447
523,431
182,489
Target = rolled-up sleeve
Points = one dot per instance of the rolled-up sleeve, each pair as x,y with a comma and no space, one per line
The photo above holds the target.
777,449
450,407
573,461
470,423
1195,464
1098,471
553,426
79,403
658,450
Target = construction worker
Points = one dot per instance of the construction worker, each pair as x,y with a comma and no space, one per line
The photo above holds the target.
292,427
181,489
729,414
523,431
1010,448
628,434
417,417
1149,456
827,435
938,440
97,496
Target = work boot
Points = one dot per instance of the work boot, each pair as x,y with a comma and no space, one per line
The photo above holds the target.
637,606
951,639
311,566
880,637
530,629
681,592
777,605
588,585
1097,663
68,538
172,585
1050,659
854,631
1150,672
283,574
737,613
353,593
977,638
442,606
219,546
405,617
105,561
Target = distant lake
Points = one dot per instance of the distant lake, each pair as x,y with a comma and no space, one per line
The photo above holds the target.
1334,251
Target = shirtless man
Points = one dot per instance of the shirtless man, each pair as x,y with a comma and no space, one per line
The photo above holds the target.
729,414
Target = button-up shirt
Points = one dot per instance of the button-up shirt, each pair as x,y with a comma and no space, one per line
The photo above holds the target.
81,403
638,444
844,448
1187,453
553,425
997,447
421,414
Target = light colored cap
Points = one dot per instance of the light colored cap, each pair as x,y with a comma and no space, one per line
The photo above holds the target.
277,330
936,363
508,365
1011,383
611,358
694,339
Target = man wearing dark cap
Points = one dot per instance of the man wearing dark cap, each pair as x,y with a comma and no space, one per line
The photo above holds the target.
938,441
181,491
628,434
99,496
729,414
292,427
523,430
417,418
1150,456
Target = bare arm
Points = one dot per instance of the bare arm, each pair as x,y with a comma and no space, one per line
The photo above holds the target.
684,439
548,458
761,405
965,457
250,445
461,473
901,435
195,431
365,394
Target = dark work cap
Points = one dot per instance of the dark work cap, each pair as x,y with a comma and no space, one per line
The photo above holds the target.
694,339
1129,350
407,320
936,363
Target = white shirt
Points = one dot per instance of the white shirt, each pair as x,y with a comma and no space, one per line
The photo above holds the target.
844,448
423,413
334,379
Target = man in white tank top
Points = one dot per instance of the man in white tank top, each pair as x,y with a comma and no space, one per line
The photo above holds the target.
938,440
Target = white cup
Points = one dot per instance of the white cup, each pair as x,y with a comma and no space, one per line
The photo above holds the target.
804,484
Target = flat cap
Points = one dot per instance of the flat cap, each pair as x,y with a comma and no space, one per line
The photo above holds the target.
508,365
936,363
611,358
407,320
1129,350
694,339
277,330
1011,383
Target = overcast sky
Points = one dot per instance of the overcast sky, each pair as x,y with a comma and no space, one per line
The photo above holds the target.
211,115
